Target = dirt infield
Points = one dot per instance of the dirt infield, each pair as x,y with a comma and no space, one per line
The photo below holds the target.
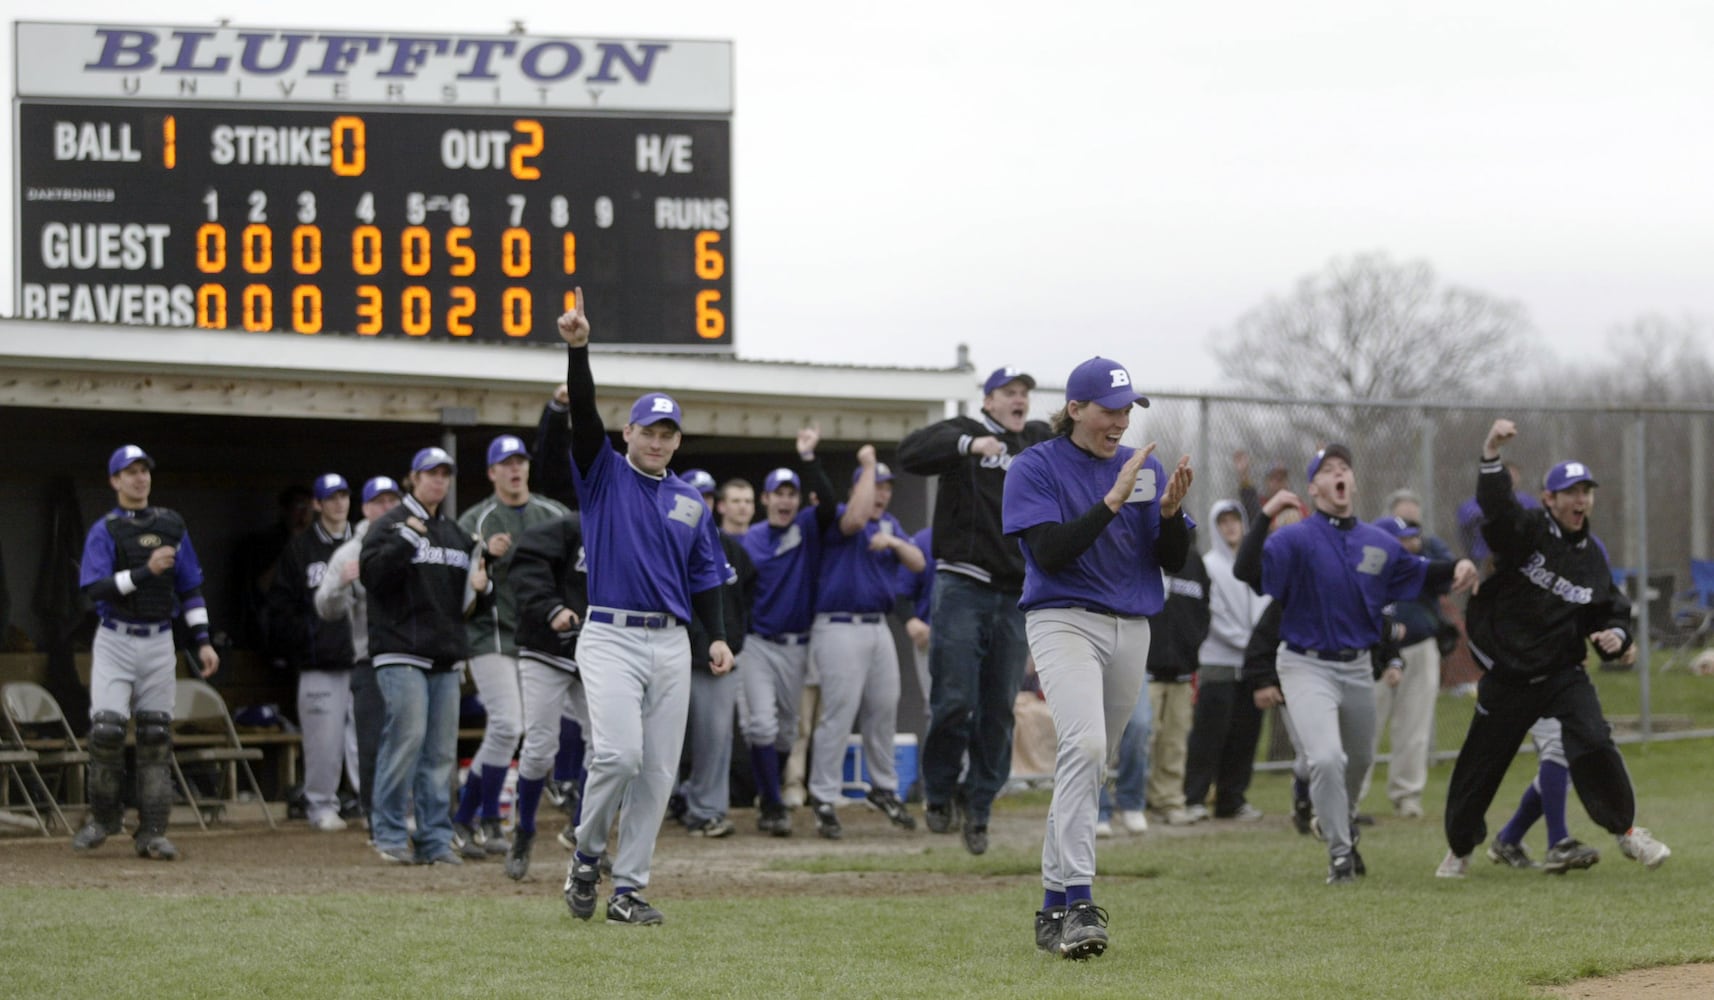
245,858
1669,982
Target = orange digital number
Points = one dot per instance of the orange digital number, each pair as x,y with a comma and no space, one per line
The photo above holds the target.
366,250
170,142
710,263
258,312
211,248
306,250
414,254
463,307
515,252
415,311
710,321
306,309
369,310
464,258
570,240
211,307
257,245
515,312
349,164
526,149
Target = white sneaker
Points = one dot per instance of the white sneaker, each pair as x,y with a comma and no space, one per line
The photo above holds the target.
1640,845
1134,820
1103,828
1453,866
1197,813
328,822
1247,813
1179,817
792,797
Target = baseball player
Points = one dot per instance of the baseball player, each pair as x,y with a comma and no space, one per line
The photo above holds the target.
495,524
1098,523
322,654
550,594
976,649
785,548
852,645
1544,799
1331,574
1551,591
340,598
653,555
707,787
420,575
140,569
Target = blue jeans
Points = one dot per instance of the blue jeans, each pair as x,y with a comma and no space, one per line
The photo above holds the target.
419,747
1133,773
976,662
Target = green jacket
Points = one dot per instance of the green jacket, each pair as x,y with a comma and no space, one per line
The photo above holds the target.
492,627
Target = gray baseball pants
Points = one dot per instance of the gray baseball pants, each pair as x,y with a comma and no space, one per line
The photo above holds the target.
1333,725
329,738
713,700
496,677
772,681
1092,667
547,693
129,671
859,670
637,681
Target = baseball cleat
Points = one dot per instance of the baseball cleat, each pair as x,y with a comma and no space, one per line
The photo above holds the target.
493,837
466,840
938,817
518,856
1084,932
712,828
1342,870
1568,854
580,882
975,838
630,908
1453,866
157,848
91,835
1049,925
827,821
567,837
1358,868
1303,816
1514,855
1640,845
888,802
774,820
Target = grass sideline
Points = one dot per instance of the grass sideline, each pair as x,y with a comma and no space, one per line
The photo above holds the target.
1239,911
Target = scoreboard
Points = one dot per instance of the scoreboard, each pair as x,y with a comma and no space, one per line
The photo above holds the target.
444,223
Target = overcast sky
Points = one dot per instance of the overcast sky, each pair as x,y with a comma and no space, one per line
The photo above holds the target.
1046,181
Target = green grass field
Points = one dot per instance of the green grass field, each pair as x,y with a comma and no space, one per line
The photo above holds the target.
1234,912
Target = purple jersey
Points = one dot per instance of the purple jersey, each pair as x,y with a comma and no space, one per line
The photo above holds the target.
99,561
1331,583
1055,482
640,563
852,577
787,560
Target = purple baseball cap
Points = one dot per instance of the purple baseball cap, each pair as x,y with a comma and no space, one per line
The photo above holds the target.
504,447
781,477
430,458
700,480
882,474
1104,382
1003,376
1566,475
1331,451
654,407
125,456
379,485
1398,527
328,485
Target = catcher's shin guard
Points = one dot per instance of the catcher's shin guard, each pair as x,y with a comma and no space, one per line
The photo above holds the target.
154,774
106,780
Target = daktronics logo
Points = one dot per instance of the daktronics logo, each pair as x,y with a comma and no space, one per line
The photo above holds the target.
399,57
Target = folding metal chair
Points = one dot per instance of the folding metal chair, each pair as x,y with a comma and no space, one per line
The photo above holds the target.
29,708
199,709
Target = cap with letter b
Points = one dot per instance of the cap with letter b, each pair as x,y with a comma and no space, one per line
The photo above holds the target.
700,480
379,485
654,407
781,477
431,458
1104,382
328,485
504,447
1005,376
125,456
1566,475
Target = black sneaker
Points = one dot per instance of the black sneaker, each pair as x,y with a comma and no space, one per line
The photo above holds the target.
157,848
827,821
493,837
1569,854
938,817
630,908
714,827
467,841
774,820
1512,855
677,807
91,835
888,802
1049,925
1302,815
1358,868
975,838
1341,870
518,857
580,882
1084,933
